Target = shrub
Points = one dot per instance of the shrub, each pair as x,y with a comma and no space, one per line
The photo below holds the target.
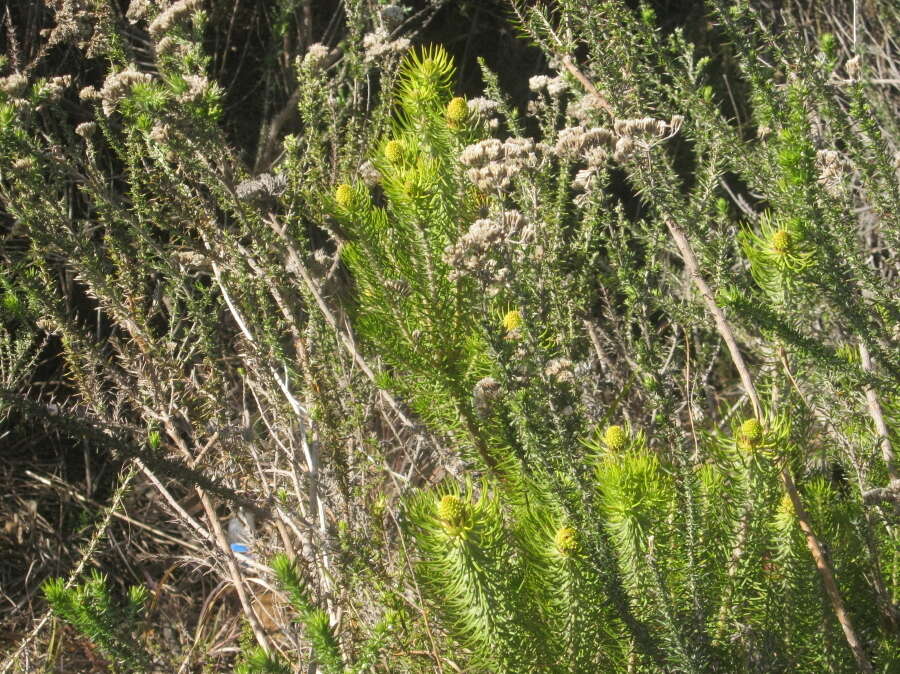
602,381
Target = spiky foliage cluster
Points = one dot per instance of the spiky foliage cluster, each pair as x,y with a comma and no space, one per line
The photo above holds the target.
90,609
605,381
325,643
515,590
697,526
408,306
325,646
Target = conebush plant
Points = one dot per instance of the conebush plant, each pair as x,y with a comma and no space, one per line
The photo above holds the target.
599,377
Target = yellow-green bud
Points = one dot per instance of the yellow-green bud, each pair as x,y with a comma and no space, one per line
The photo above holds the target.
781,241
615,438
566,541
750,434
786,507
343,195
457,111
411,187
512,320
393,151
453,513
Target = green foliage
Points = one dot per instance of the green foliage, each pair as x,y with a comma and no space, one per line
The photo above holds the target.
91,610
567,384
257,661
315,621
705,546
425,322
318,630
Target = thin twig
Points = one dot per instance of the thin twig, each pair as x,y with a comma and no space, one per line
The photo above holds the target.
69,490
299,269
599,99
887,450
310,450
690,262
219,537
173,502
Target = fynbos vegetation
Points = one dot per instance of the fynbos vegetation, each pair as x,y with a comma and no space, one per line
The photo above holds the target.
601,377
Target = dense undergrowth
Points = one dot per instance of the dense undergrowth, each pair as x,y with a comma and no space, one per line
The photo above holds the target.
601,377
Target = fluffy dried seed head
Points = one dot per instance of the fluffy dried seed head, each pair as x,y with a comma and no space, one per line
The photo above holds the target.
518,148
379,43
644,127
162,133
369,174
560,370
315,56
263,185
624,148
598,136
118,85
137,10
167,19
482,152
86,129
197,87
538,82
833,168
89,93
557,85
486,392
13,85
483,107
827,158
569,142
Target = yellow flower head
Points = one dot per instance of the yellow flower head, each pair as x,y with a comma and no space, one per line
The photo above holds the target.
781,241
566,541
615,438
786,507
457,111
750,434
453,513
343,195
393,151
512,320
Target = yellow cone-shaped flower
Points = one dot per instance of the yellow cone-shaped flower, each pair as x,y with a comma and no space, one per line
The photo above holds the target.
566,541
343,195
512,320
457,111
615,438
453,513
